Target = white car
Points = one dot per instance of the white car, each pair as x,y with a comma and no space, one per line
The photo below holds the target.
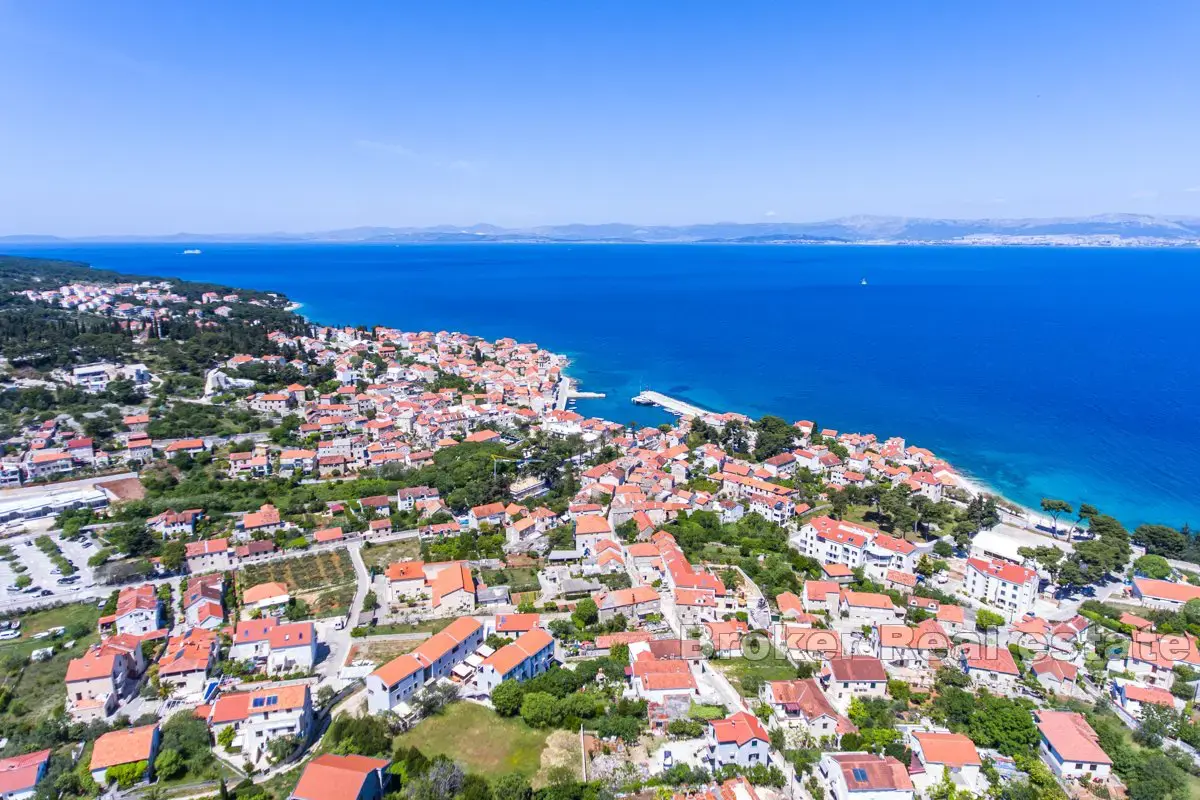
10,635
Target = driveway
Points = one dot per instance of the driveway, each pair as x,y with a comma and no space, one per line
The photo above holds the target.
338,641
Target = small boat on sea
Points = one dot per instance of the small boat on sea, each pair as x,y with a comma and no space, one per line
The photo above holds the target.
863,282
191,252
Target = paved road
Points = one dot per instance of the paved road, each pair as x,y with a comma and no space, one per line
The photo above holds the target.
338,641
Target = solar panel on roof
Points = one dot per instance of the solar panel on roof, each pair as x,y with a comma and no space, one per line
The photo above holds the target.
860,774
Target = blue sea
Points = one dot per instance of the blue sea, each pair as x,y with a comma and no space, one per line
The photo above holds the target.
1042,372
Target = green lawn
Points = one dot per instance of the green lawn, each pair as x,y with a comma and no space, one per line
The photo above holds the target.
429,626
480,740
79,619
37,687
518,579
379,556
703,711
773,666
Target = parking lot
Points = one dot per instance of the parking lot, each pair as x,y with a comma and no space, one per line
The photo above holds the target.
42,571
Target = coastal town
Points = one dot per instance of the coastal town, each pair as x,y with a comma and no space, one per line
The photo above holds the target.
245,555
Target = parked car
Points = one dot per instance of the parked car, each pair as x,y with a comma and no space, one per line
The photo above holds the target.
10,635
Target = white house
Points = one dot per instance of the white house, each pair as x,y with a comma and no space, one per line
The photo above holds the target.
396,681
188,661
288,647
864,776
1164,594
1070,747
139,611
209,555
1009,587
738,739
260,716
847,677
445,588
990,666
124,746
801,707
939,754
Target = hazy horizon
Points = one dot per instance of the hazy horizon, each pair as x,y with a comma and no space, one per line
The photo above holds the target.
145,119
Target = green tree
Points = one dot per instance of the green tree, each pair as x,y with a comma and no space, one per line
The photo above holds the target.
586,613
1152,567
169,764
988,620
540,710
1161,540
475,787
174,554
1048,556
513,786
774,436
1002,723
126,776
1055,508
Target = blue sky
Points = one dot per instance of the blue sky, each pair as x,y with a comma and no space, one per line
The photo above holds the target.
158,117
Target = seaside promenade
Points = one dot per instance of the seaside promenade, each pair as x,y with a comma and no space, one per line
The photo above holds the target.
650,398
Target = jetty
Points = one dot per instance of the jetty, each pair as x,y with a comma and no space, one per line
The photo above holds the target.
649,398
565,392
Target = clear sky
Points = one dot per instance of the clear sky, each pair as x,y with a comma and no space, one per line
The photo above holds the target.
158,117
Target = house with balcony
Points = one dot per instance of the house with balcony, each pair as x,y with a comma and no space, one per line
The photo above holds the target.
801,709
259,717
739,739
529,656
395,682
275,646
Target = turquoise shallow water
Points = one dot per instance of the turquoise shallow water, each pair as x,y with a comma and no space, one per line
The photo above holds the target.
1064,372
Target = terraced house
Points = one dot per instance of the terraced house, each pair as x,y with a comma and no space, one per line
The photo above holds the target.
396,681
529,656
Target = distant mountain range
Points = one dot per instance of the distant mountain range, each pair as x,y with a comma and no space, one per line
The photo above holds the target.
844,229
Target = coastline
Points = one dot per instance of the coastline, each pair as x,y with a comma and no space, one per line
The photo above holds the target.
995,428
1034,519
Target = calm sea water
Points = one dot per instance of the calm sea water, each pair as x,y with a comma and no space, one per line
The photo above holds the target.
1063,372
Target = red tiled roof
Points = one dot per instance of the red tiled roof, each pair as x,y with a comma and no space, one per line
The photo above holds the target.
123,747
952,749
1166,590
21,772
739,728
333,777
878,773
990,658
857,668
1071,737
1003,570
